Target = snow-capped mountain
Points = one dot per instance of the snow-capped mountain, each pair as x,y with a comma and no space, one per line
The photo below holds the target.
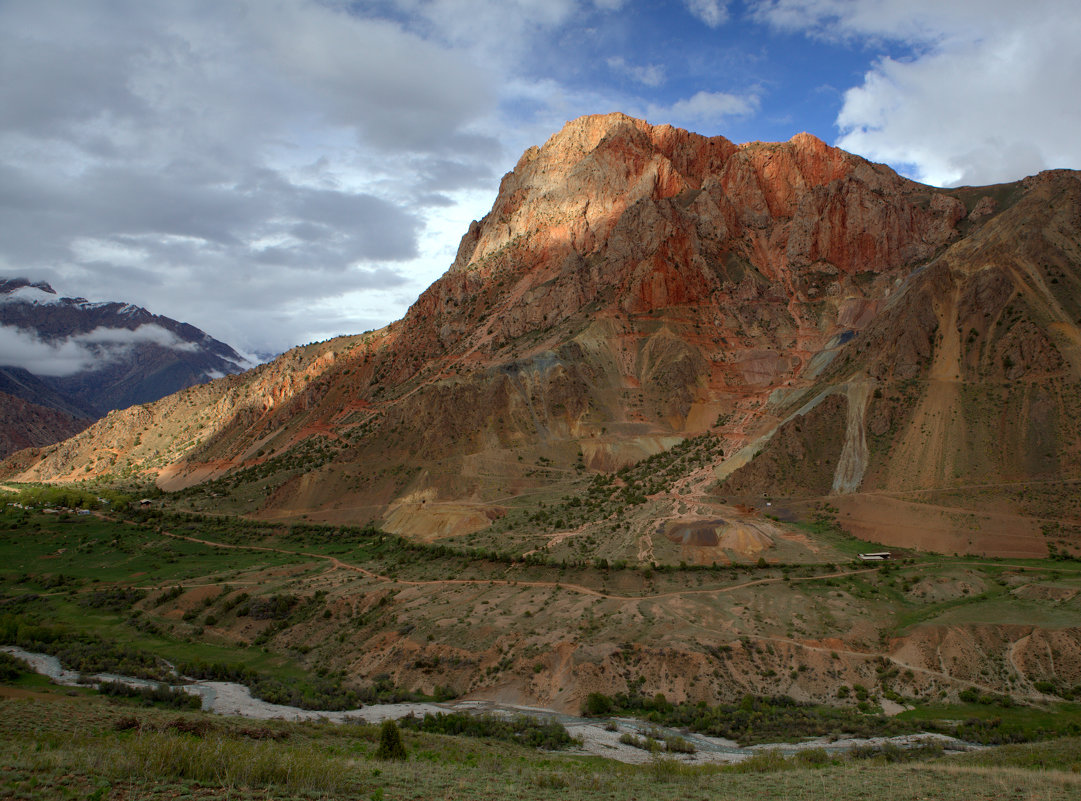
85,358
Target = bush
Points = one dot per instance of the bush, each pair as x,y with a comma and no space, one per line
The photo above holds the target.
13,668
85,653
597,704
115,599
814,757
274,607
754,719
970,695
674,744
390,742
316,692
158,695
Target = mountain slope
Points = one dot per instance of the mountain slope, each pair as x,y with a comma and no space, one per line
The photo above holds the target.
635,286
28,425
968,393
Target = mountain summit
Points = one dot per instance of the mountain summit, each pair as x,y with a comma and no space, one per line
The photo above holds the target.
800,322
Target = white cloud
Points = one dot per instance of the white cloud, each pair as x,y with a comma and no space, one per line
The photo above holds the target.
704,109
119,339
988,94
711,12
650,75
20,347
499,32
916,21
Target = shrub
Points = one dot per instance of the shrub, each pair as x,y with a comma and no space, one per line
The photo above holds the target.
597,704
390,742
13,668
970,695
521,729
678,745
814,757
157,695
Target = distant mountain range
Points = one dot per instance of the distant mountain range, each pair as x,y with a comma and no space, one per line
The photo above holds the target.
65,362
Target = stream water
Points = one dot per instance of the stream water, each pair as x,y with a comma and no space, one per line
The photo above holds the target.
600,736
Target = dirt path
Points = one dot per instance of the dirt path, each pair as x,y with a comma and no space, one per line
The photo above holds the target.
577,588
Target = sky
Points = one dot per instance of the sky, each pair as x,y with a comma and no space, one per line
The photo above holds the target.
278,172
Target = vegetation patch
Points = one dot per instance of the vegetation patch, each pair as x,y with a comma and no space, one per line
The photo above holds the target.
12,669
752,721
161,695
521,729
81,651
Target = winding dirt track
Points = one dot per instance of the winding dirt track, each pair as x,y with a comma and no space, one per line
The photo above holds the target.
337,564
578,588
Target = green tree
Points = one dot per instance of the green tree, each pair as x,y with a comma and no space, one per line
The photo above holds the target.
390,742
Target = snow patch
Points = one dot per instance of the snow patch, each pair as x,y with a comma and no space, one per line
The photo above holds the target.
34,295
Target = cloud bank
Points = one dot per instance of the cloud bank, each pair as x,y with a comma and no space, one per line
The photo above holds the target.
20,347
985,91
218,161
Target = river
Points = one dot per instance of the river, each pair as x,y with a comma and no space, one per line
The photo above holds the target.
600,736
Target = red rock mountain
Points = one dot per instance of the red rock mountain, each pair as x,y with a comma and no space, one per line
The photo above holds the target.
832,326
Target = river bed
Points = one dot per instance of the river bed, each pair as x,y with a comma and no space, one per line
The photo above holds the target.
600,736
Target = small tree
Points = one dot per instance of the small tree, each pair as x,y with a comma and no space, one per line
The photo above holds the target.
597,704
390,742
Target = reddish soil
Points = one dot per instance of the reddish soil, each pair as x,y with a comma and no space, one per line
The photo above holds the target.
903,524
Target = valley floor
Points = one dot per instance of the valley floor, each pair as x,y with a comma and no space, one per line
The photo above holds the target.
59,746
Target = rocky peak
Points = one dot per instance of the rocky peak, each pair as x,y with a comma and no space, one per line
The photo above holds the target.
650,217
9,285
571,190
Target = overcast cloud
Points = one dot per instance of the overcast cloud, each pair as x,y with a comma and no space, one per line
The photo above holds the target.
281,172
